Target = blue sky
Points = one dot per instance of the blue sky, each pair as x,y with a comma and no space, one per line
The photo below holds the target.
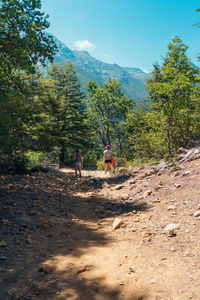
130,33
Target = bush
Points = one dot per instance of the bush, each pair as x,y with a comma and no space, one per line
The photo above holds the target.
100,165
15,165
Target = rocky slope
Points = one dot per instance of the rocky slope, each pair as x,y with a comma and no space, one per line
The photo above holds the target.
131,236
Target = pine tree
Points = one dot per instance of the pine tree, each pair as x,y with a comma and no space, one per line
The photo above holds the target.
66,126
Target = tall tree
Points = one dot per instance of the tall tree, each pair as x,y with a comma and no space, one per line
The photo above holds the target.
23,44
173,86
107,107
66,126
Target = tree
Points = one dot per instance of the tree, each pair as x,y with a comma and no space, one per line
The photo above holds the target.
23,41
172,88
107,107
66,122
23,45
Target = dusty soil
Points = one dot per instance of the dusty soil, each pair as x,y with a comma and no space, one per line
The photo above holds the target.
57,240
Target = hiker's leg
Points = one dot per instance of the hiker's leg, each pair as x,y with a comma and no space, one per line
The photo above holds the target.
109,164
75,168
79,169
106,168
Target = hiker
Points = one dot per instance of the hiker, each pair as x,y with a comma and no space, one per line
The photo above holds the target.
78,163
107,158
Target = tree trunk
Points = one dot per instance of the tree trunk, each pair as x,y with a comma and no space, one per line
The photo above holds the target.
62,154
169,135
108,137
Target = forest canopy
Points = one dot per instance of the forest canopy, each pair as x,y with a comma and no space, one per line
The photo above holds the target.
46,114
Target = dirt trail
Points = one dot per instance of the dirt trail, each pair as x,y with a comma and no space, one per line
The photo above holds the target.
57,239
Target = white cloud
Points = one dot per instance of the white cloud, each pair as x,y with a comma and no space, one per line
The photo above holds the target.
84,45
145,70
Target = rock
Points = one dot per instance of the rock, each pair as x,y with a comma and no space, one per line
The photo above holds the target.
125,197
161,166
132,181
170,229
83,269
12,291
46,269
121,170
197,213
117,223
3,244
176,174
181,150
39,288
119,187
186,173
150,172
159,186
177,185
105,185
61,285
2,257
5,221
148,192
171,207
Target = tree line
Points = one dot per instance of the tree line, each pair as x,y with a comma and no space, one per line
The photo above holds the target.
45,115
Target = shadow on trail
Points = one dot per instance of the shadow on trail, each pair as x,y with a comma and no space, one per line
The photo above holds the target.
99,182
42,225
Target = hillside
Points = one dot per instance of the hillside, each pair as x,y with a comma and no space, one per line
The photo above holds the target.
58,240
89,68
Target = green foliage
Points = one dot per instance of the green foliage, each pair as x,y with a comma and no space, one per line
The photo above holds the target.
107,107
23,40
100,165
65,122
23,44
172,89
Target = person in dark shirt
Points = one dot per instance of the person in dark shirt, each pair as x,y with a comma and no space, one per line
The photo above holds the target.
78,163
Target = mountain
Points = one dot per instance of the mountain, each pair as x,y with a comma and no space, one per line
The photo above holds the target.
90,68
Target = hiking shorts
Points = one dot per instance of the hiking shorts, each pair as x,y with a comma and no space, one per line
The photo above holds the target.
107,161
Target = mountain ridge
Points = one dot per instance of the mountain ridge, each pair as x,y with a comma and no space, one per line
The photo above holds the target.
90,68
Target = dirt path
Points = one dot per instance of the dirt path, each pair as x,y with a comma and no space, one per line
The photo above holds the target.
57,239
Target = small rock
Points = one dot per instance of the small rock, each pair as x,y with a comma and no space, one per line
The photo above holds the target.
171,207
39,288
181,150
197,213
46,269
3,244
5,221
2,257
176,174
117,223
148,192
132,181
119,187
125,197
170,228
83,269
12,291
177,185
186,173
